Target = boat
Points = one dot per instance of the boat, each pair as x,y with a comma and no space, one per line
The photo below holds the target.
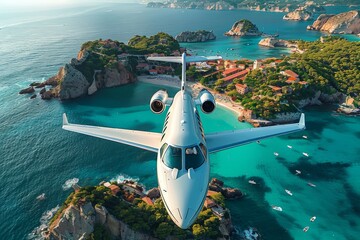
311,184
276,154
297,172
304,136
288,192
277,208
252,182
305,154
306,228
41,197
313,219
258,142
289,146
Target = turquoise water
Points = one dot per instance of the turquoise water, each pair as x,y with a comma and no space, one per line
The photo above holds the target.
38,156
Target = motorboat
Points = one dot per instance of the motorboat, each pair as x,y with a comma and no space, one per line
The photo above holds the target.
306,228
276,154
289,146
304,136
252,182
288,192
311,184
305,154
297,172
312,219
277,208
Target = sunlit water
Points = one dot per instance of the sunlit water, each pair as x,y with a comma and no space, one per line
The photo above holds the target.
37,156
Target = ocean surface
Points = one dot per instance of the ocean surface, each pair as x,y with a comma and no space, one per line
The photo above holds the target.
37,156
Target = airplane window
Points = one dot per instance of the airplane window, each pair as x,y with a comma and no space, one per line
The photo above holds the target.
193,157
172,157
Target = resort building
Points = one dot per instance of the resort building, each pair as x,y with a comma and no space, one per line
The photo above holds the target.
257,64
290,73
242,88
239,75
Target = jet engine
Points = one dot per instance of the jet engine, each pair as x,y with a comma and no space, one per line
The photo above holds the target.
158,100
207,101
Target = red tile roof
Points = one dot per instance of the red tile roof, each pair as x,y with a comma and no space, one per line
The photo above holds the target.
230,71
237,75
291,73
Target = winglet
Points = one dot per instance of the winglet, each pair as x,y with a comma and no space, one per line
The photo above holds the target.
302,121
65,120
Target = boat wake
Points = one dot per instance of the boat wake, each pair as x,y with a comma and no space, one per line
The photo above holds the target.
69,183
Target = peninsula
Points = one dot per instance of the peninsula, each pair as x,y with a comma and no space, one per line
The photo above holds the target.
122,210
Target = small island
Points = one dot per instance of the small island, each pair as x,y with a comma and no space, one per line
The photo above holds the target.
122,210
243,28
197,36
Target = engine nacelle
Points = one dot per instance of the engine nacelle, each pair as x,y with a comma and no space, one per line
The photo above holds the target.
207,101
158,101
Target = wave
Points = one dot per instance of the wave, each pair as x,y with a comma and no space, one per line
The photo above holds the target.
122,177
69,183
39,232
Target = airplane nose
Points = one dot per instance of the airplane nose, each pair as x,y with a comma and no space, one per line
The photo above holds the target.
186,218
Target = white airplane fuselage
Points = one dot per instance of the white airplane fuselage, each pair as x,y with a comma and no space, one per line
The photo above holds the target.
183,175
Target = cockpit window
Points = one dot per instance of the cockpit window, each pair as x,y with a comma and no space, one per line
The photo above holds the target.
172,157
193,157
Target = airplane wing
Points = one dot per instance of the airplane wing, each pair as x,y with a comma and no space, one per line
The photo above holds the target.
189,59
228,139
146,140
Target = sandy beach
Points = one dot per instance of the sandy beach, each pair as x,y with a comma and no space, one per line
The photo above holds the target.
167,80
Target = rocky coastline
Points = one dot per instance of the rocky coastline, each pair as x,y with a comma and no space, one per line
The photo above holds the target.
298,15
243,28
196,36
342,23
275,42
80,218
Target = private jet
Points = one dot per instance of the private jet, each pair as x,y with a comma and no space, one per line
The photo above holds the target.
183,148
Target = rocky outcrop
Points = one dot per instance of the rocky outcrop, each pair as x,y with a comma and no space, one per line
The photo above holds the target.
343,23
298,15
27,90
198,36
229,193
275,42
243,28
73,83
75,223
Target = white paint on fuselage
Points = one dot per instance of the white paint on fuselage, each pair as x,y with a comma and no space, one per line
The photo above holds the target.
183,192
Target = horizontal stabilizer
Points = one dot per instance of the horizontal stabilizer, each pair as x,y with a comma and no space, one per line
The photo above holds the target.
229,139
146,140
188,59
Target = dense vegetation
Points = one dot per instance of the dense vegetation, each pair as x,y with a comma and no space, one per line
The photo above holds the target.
331,65
248,26
103,53
149,219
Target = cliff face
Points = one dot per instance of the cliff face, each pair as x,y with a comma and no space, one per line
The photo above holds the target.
298,15
343,23
76,223
71,83
243,28
198,36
